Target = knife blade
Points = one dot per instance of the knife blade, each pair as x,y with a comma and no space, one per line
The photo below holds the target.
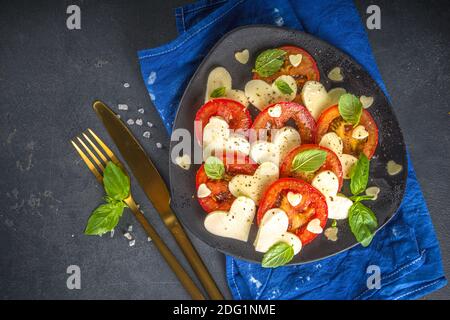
155,189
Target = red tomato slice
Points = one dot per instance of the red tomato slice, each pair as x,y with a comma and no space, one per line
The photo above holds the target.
307,70
235,114
221,197
290,110
330,120
332,163
313,205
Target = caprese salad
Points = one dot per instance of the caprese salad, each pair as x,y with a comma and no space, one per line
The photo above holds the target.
286,166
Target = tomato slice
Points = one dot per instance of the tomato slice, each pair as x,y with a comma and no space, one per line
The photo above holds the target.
234,113
332,163
290,110
312,205
307,70
221,197
330,120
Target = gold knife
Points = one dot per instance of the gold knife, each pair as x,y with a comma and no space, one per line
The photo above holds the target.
156,190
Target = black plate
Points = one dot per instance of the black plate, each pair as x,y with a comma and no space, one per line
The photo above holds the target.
356,80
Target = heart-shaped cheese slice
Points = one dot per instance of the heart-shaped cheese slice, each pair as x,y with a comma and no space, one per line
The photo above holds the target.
373,191
347,163
334,95
314,226
203,191
295,59
260,93
273,229
294,199
184,161
328,184
393,168
220,77
336,74
235,223
255,185
366,101
315,97
360,132
242,56
283,140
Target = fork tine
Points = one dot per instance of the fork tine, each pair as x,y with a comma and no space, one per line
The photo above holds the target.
88,162
93,156
105,148
102,156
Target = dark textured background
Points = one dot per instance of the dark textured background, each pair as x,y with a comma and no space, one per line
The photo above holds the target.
49,77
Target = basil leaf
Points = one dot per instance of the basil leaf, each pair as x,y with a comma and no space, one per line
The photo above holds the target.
104,218
214,168
309,160
361,198
278,255
359,175
116,182
334,224
363,223
350,108
283,86
269,62
218,92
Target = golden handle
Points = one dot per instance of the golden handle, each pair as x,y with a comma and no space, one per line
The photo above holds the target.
182,275
194,260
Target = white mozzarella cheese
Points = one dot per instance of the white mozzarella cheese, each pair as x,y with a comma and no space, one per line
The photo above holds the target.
242,56
184,161
333,142
347,163
286,138
273,229
234,224
315,97
203,191
216,129
237,95
338,207
334,95
275,111
314,226
360,132
237,143
264,151
326,182
336,74
217,78
295,59
260,93
294,198
366,101
373,191
255,185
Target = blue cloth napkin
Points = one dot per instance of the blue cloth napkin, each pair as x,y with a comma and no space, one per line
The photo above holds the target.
406,250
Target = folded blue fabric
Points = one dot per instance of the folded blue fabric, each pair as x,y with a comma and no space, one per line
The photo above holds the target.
406,250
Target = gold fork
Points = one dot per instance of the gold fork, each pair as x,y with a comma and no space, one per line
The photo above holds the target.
97,170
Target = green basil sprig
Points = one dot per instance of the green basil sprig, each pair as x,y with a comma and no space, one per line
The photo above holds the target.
214,168
278,255
269,62
350,108
359,175
117,187
283,86
218,92
363,223
309,160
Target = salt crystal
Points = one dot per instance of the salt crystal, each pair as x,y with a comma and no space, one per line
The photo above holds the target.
130,228
132,243
112,233
141,110
146,134
118,116
122,106
128,236
139,122
73,236
126,85
130,121
150,124
149,239
158,145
